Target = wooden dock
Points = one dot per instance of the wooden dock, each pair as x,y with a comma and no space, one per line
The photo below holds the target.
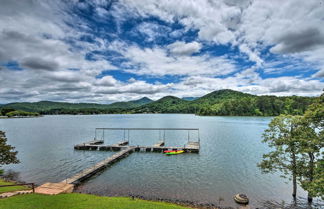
67,185
190,147
159,144
93,142
84,174
122,143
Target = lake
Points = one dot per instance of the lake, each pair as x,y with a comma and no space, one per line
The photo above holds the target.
226,165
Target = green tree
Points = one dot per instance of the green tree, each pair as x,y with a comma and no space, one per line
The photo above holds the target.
311,137
6,110
281,136
7,153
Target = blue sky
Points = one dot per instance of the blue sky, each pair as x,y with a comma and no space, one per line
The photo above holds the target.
105,51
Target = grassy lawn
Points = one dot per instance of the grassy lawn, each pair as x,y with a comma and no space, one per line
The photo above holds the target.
10,189
80,201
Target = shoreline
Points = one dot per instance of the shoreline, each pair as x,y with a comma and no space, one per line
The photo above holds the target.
16,117
301,202
6,117
184,203
266,204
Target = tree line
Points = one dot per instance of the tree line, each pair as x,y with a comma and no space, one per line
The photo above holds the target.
221,102
10,112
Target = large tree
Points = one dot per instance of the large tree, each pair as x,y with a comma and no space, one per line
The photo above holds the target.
7,153
297,144
281,137
311,137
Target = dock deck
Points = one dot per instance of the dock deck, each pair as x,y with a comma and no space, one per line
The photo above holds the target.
190,147
97,167
159,144
67,185
93,142
121,143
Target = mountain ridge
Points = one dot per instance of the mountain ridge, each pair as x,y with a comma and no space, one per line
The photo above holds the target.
220,102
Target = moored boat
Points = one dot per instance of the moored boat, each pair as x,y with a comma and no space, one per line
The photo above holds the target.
174,152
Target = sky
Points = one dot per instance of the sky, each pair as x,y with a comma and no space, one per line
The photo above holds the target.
118,50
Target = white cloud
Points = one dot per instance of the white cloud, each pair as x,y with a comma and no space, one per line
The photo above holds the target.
157,62
283,86
289,26
319,74
36,36
152,30
106,81
182,48
253,55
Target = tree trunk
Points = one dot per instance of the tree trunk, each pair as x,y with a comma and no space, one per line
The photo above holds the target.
294,173
311,174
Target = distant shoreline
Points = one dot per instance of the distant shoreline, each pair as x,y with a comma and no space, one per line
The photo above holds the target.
6,117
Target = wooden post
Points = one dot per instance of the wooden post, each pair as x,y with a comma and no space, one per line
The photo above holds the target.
163,135
198,137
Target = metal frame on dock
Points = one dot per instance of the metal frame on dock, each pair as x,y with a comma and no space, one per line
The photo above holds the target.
147,129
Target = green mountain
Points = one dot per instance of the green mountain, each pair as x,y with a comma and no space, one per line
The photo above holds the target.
229,102
168,104
131,104
44,106
221,95
48,107
221,102
190,98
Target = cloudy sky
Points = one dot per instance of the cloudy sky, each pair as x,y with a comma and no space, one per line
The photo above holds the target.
104,51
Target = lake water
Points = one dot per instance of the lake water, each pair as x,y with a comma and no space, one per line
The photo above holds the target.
226,165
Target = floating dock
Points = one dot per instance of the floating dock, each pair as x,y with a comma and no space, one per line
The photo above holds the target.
93,142
122,143
190,147
159,144
123,148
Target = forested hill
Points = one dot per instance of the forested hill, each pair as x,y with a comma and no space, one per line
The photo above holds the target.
229,102
222,102
48,107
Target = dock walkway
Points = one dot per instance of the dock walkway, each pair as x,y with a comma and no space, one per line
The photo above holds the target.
97,167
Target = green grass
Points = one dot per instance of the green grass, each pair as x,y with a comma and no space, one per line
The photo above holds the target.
10,189
80,201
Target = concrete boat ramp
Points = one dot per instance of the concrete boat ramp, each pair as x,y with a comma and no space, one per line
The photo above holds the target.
124,150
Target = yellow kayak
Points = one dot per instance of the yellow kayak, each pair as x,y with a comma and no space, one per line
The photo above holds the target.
175,152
